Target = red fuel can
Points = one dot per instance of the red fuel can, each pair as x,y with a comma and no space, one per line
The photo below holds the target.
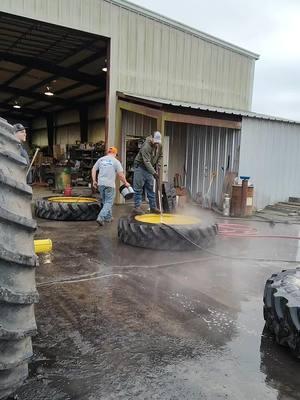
68,191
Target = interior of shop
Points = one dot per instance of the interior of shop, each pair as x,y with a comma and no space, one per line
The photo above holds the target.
54,82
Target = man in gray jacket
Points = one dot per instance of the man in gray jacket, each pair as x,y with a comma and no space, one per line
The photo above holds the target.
21,135
146,169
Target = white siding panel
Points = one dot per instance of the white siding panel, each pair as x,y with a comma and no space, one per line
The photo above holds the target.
96,132
40,137
177,149
97,111
39,123
137,125
68,134
270,156
67,117
151,57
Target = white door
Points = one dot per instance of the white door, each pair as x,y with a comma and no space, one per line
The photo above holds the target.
166,142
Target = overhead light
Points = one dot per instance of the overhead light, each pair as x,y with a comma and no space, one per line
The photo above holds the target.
16,105
104,68
48,91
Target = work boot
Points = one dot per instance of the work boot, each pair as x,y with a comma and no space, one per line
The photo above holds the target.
138,211
100,222
154,211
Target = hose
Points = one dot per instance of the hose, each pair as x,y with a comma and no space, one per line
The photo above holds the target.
238,230
260,218
96,276
77,279
227,256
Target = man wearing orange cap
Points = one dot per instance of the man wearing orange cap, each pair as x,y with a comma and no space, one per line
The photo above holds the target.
108,167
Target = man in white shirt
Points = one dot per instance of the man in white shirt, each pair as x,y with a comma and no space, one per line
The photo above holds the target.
108,167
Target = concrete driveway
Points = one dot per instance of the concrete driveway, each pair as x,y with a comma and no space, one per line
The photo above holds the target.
117,322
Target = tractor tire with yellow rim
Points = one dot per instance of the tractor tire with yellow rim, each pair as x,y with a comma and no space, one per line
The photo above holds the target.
67,208
166,232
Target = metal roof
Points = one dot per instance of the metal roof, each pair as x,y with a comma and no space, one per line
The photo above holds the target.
204,107
34,55
185,28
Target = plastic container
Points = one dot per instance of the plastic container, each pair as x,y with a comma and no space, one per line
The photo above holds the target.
62,178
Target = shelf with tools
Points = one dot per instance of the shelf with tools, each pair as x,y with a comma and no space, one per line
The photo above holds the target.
72,162
83,157
133,145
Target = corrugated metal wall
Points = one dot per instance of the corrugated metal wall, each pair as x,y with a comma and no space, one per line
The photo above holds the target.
67,126
134,124
270,155
203,150
177,149
152,57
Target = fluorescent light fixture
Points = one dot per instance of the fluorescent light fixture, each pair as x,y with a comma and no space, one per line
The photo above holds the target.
48,91
16,105
104,69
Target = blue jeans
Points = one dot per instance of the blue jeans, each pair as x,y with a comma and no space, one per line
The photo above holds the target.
107,195
142,178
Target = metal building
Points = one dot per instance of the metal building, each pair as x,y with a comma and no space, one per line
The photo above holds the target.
160,74
203,142
269,153
152,55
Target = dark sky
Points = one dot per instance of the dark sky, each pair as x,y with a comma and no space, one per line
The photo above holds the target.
270,28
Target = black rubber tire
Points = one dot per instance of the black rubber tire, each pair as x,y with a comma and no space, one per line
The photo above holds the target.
66,211
163,237
17,265
282,308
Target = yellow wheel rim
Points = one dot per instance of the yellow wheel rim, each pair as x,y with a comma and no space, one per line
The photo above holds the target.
72,199
169,219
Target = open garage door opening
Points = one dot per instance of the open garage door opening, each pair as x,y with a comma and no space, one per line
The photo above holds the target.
54,81
201,147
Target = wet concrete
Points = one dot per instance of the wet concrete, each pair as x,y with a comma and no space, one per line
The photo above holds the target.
117,322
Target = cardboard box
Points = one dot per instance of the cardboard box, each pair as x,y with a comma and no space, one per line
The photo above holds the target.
58,152
181,201
181,191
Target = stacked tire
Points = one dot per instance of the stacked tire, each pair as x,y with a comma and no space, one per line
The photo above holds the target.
282,308
17,265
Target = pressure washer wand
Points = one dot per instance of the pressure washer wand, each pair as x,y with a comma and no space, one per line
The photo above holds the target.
158,186
159,197
32,161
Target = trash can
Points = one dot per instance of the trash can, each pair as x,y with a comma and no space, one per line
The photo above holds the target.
236,208
62,178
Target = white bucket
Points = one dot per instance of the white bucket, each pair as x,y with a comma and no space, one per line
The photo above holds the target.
126,192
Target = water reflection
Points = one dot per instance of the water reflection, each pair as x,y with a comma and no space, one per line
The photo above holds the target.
281,369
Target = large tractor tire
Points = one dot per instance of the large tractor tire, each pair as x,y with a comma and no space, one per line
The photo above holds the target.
169,232
67,208
17,265
282,308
